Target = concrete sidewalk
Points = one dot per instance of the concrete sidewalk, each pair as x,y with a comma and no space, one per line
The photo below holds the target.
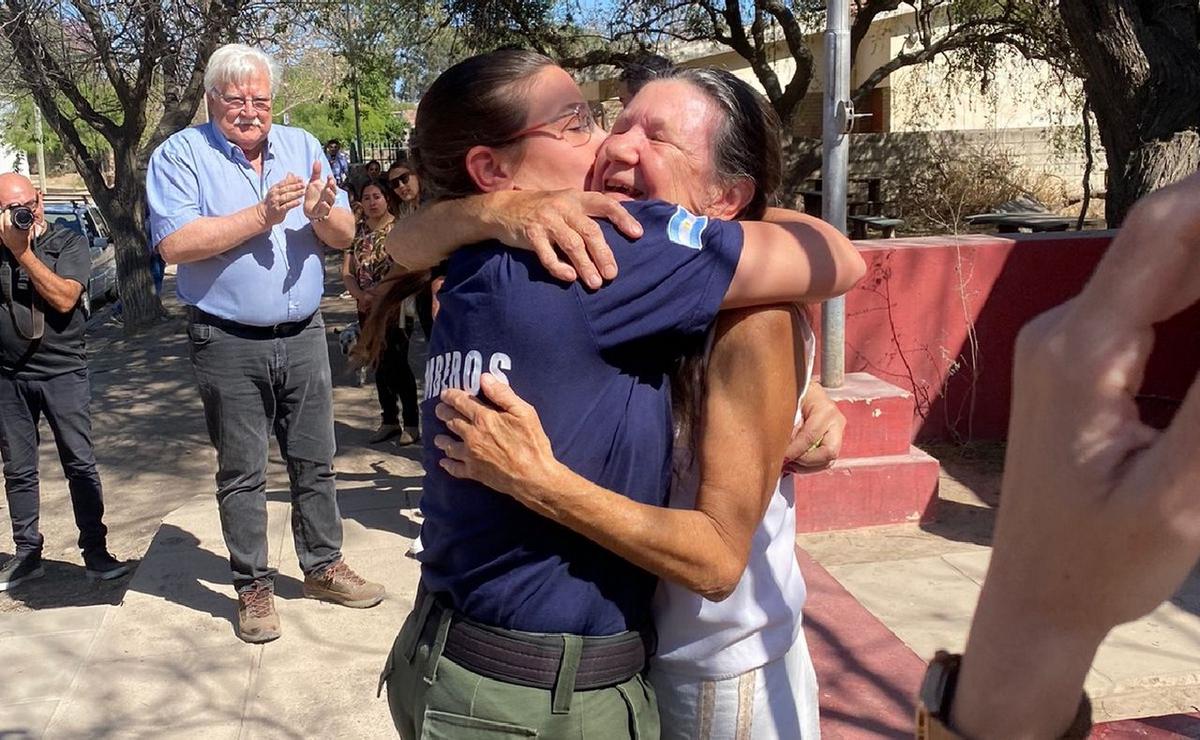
167,662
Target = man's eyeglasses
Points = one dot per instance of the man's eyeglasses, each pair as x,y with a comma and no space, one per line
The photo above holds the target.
401,179
238,102
576,129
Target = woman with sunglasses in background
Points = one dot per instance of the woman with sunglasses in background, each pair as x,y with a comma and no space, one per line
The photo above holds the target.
405,184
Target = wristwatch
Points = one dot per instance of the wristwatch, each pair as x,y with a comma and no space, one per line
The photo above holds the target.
937,696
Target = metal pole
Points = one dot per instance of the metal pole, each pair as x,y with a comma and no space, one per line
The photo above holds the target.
351,52
357,116
40,140
835,166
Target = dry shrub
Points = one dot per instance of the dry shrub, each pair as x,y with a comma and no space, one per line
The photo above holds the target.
938,188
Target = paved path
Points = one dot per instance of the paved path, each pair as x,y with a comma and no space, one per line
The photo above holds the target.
156,655
166,661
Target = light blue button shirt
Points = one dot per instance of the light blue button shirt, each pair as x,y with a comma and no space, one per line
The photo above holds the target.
273,277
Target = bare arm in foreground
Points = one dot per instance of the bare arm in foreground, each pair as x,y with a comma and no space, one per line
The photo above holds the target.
1100,520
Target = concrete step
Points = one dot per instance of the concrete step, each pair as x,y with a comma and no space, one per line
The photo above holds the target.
879,416
868,491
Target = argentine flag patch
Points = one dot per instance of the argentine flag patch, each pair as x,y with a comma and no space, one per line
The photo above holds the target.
686,228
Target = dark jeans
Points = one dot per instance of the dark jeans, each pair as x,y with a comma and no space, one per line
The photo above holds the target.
252,386
394,380
64,400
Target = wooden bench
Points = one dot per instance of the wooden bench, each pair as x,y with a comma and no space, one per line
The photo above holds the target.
860,224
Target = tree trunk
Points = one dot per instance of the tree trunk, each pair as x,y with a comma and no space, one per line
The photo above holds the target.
1142,65
801,161
124,207
1148,166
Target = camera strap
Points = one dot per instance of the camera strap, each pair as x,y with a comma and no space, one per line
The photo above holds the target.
29,321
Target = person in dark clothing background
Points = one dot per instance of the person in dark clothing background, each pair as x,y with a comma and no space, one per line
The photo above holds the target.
43,372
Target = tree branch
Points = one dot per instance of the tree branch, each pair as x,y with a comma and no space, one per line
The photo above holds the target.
104,47
15,26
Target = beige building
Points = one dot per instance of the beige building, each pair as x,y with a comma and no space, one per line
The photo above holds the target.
1024,110
927,97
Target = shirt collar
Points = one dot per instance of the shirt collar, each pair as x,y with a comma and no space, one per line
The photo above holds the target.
231,150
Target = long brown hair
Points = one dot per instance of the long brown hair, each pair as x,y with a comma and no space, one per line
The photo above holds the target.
478,102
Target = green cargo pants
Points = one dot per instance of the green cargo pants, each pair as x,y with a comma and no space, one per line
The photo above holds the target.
433,698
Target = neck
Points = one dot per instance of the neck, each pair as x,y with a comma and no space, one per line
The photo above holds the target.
375,223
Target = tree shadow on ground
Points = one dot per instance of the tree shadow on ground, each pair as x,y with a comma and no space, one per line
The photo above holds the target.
181,570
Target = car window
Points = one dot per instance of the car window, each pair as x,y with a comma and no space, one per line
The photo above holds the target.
98,221
70,220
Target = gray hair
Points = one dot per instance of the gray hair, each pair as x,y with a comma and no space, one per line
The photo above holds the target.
747,145
236,63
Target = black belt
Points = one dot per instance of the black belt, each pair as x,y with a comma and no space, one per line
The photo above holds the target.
249,331
533,659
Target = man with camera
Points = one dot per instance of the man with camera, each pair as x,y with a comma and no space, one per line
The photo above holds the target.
43,372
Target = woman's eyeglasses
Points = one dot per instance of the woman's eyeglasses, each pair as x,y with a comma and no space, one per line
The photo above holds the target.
576,130
400,179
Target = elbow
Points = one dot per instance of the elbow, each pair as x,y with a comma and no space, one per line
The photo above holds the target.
720,579
851,269
168,252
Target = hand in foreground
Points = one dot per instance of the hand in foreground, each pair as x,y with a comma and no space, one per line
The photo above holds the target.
817,441
319,197
557,224
282,197
1100,515
503,447
16,240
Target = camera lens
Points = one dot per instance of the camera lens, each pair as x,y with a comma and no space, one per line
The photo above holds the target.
22,218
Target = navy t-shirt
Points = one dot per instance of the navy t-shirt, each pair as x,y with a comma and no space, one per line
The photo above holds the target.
595,366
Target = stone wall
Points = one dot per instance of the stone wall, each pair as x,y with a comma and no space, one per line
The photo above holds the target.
1033,149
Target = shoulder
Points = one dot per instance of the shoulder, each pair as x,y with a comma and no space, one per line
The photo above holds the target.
60,239
669,223
181,141
181,149
749,342
294,137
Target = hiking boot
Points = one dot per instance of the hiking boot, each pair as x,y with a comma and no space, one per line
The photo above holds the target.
21,568
385,432
341,585
257,619
410,436
104,567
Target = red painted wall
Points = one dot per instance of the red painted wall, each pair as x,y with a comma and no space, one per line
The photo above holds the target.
908,323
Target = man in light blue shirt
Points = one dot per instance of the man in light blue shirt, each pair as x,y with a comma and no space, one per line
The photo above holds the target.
339,163
243,207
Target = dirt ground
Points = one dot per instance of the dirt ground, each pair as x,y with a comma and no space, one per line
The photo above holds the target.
154,454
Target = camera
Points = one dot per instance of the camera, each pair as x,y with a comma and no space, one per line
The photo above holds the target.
22,217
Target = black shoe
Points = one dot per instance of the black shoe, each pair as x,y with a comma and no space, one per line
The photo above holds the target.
21,568
104,567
